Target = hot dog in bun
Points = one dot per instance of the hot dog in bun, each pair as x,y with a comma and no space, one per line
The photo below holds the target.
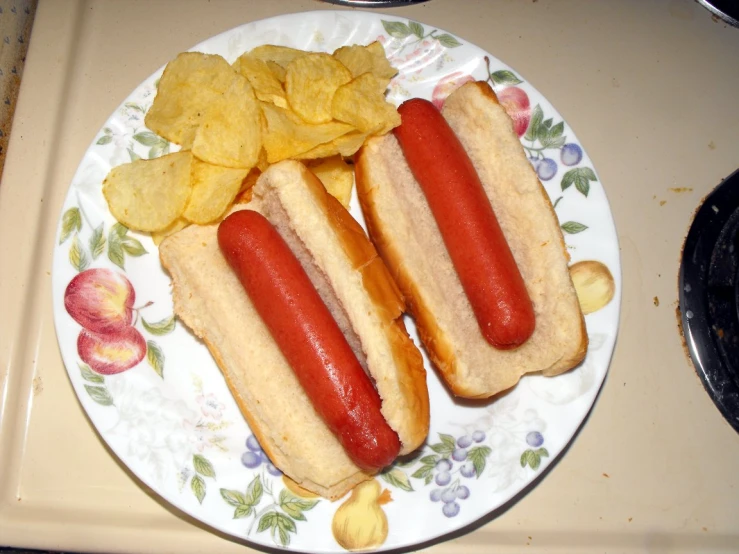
304,321
472,240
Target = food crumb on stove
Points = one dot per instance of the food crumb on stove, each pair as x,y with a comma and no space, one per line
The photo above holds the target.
679,190
711,146
38,386
605,474
662,202
656,301
630,519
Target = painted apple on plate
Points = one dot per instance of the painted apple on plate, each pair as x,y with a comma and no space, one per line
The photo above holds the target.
101,301
517,105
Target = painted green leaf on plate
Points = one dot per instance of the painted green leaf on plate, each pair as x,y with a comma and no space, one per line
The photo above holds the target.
155,357
197,484
203,466
162,327
71,222
99,395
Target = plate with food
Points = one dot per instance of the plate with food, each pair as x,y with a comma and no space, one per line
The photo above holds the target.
336,281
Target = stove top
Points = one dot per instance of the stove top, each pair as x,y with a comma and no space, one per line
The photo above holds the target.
709,295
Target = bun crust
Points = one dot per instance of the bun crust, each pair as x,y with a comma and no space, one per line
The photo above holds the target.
405,232
363,286
211,301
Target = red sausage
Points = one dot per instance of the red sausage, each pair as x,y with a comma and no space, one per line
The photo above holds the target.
471,233
308,337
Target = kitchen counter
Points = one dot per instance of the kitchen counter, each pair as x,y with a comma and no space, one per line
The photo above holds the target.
650,88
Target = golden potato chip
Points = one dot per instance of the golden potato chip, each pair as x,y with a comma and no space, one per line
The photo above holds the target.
362,59
148,195
213,191
177,225
287,135
190,83
362,104
356,58
263,162
249,181
310,83
230,132
188,140
348,144
337,176
325,150
245,196
381,66
281,55
277,70
266,86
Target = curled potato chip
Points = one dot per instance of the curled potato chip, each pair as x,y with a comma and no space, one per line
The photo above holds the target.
190,83
277,70
337,176
310,83
177,225
356,58
267,87
280,55
245,193
230,132
148,195
362,59
250,180
288,136
348,144
325,150
362,104
262,162
381,66
213,191
245,196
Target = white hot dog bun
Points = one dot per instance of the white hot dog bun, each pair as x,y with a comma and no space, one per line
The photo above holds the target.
358,290
407,236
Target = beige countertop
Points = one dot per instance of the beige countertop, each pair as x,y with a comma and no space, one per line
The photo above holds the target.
650,88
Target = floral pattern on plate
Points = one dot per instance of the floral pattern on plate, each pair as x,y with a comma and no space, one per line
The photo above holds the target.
157,398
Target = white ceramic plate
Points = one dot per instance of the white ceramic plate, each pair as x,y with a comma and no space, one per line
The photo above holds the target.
172,420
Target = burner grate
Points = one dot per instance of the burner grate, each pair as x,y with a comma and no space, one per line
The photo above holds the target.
709,295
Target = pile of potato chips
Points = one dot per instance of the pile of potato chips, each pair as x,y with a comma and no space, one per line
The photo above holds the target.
232,121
